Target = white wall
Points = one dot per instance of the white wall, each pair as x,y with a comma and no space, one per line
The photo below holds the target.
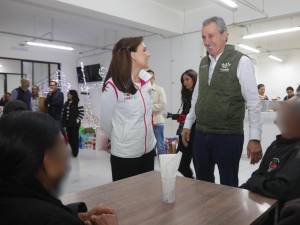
169,59
278,76
10,48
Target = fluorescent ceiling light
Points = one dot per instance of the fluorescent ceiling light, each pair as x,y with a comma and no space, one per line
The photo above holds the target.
230,3
249,48
275,58
49,46
272,32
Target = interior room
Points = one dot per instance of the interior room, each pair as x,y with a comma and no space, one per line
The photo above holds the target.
71,42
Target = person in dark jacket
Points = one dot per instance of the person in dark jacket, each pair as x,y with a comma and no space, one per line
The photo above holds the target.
15,105
22,93
290,213
5,99
71,120
188,81
32,166
290,93
54,101
278,175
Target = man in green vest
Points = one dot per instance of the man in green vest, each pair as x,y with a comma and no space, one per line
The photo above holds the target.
226,85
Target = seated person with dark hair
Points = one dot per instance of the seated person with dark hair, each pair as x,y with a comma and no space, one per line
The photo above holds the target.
290,93
15,105
290,213
278,175
33,162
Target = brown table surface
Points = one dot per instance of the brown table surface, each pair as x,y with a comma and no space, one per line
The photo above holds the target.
137,201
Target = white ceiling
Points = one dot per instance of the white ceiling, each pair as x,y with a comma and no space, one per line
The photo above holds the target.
182,5
28,20
25,20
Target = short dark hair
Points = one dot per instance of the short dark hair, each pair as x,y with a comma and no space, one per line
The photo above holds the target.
24,138
260,86
15,105
289,88
74,94
120,65
150,71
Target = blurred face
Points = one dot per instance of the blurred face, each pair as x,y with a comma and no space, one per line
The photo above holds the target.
140,57
25,84
213,40
261,90
152,80
53,86
288,121
34,90
56,165
7,96
69,96
290,93
188,82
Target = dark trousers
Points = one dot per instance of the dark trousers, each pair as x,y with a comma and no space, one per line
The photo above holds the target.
126,167
221,149
187,155
73,136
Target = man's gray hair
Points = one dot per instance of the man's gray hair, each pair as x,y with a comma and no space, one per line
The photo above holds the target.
217,20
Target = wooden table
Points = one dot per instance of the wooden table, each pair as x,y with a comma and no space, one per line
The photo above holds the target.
137,201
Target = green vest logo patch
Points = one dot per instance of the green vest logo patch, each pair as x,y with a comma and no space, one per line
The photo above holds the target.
225,67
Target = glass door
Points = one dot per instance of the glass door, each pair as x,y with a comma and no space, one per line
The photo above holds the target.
13,81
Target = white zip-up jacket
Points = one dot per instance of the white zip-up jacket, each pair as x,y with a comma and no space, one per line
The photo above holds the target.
127,119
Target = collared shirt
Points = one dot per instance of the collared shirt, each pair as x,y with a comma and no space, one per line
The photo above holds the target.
246,76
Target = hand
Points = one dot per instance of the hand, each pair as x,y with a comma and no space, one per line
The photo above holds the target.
185,134
254,151
96,211
105,219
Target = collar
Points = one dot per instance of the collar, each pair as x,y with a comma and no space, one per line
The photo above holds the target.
227,47
215,59
145,77
30,189
281,139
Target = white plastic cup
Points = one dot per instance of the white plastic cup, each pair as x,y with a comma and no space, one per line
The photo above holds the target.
168,189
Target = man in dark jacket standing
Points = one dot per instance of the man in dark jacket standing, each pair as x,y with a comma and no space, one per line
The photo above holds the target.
32,166
54,101
278,175
22,93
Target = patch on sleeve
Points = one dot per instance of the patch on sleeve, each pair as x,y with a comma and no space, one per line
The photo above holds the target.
274,163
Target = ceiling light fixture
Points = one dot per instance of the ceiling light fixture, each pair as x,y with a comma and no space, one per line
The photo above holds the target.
229,3
49,46
275,58
0,65
248,48
272,32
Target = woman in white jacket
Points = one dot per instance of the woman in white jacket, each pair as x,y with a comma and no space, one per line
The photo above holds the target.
126,109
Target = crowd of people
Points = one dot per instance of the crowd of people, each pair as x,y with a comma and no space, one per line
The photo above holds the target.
289,91
210,132
68,114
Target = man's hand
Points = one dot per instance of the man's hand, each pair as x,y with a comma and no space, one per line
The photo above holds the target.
254,151
185,134
96,212
105,219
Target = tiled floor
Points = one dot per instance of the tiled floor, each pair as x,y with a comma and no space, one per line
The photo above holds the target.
92,168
